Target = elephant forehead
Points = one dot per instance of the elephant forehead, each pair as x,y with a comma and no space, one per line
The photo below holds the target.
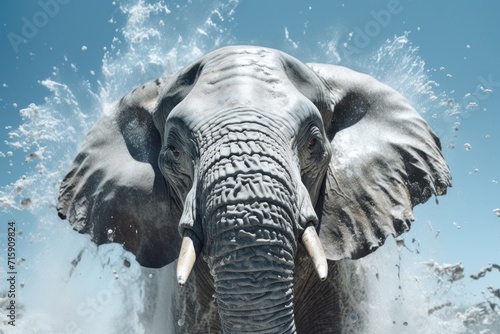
245,77
260,64
246,84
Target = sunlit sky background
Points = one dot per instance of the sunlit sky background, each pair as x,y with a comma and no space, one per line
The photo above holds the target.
459,41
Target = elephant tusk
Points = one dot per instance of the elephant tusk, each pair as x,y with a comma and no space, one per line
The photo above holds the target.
190,249
313,246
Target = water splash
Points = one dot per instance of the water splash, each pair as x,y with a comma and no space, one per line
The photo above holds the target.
159,39
49,132
88,289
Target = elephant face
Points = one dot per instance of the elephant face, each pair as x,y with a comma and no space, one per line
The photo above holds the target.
246,153
232,126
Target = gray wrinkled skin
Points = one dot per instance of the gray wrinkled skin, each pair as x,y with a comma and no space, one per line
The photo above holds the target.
242,149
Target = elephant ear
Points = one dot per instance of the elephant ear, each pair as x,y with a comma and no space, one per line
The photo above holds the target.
115,191
385,160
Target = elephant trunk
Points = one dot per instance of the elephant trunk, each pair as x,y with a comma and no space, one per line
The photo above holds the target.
251,215
251,258
253,269
253,296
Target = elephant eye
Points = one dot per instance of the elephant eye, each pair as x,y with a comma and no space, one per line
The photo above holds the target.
174,151
314,138
312,143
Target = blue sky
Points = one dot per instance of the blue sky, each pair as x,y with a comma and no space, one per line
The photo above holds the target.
459,42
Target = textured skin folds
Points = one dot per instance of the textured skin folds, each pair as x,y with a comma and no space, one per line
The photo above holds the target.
240,152
250,243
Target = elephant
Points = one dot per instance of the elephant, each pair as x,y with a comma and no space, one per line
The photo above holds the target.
258,174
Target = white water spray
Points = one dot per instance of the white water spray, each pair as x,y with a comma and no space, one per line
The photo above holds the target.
71,286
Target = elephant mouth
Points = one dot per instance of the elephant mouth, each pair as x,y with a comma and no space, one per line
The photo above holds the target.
253,217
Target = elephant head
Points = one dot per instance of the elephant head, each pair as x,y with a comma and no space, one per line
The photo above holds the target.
241,159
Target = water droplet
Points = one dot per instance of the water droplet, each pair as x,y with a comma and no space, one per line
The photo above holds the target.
26,202
476,170
497,212
180,322
354,317
401,39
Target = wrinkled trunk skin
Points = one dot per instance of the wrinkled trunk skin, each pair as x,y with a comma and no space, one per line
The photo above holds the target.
250,211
